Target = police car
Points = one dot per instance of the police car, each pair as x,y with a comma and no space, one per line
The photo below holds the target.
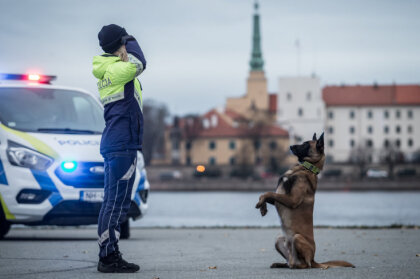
51,171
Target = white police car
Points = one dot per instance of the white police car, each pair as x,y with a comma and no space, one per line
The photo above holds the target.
51,171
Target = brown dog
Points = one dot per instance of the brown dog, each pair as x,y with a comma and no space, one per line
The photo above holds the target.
294,200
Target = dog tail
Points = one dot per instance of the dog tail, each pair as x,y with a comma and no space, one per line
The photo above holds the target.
328,264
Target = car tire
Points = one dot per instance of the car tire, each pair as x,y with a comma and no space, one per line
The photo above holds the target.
4,224
125,230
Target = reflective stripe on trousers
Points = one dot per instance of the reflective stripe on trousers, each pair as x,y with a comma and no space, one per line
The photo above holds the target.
120,168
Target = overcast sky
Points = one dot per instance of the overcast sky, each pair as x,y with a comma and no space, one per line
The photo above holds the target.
198,50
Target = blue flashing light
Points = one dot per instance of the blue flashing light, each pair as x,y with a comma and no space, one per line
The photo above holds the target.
69,166
28,77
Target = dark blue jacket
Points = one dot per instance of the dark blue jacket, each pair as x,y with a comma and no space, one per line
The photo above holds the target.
121,94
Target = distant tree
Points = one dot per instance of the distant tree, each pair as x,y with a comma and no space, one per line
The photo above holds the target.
155,115
361,155
265,156
391,155
278,159
259,122
175,137
244,167
416,157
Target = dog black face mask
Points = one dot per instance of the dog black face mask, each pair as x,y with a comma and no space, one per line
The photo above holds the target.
301,151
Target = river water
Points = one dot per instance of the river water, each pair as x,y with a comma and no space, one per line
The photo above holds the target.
212,209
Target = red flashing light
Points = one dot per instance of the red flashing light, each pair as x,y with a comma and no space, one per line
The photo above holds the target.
34,77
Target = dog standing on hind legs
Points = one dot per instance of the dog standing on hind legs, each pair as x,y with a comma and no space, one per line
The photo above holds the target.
294,200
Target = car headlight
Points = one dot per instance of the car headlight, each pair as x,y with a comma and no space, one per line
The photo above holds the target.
27,158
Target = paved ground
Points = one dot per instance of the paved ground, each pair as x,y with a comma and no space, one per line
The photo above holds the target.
208,253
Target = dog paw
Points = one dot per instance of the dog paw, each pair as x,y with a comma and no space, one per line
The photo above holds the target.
279,265
263,209
260,202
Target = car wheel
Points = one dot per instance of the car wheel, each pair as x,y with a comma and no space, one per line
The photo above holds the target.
125,230
4,224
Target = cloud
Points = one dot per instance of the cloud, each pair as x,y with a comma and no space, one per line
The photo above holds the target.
198,51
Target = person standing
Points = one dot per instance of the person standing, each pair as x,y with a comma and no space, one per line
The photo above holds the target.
121,94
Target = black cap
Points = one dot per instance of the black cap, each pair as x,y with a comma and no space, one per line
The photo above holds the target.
110,37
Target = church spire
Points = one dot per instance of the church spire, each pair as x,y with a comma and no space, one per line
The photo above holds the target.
256,62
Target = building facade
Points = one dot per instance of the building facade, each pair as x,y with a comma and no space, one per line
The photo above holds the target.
300,108
220,138
372,121
245,132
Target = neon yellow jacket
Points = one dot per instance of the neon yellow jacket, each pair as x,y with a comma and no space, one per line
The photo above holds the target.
121,94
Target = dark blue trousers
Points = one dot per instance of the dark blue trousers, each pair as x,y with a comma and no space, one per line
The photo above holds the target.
120,169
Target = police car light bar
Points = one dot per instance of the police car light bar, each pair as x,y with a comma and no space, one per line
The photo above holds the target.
29,77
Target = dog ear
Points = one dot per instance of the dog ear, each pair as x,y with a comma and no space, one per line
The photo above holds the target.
314,137
320,143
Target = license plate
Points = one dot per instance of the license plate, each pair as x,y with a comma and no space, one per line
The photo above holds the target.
92,196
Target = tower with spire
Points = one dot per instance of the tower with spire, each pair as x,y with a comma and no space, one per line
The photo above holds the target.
256,97
256,62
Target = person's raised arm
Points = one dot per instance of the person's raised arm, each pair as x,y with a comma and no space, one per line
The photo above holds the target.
135,54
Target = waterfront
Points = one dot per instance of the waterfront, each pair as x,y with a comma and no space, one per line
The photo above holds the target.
237,209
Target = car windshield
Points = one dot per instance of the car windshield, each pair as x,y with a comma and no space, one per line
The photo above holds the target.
46,110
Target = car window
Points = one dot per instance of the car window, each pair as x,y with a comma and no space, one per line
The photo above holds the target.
50,110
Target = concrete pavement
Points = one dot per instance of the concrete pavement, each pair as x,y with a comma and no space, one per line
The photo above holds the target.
208,253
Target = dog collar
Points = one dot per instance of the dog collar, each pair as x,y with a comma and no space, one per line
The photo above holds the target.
311,167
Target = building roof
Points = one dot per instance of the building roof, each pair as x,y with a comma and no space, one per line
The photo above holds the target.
371,95
234,115
222,128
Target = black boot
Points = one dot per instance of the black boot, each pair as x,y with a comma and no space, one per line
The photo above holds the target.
114,263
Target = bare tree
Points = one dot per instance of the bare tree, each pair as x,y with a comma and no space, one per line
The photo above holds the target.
278,159
257,126
361,155
257,130
244,167
155,115
391,155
